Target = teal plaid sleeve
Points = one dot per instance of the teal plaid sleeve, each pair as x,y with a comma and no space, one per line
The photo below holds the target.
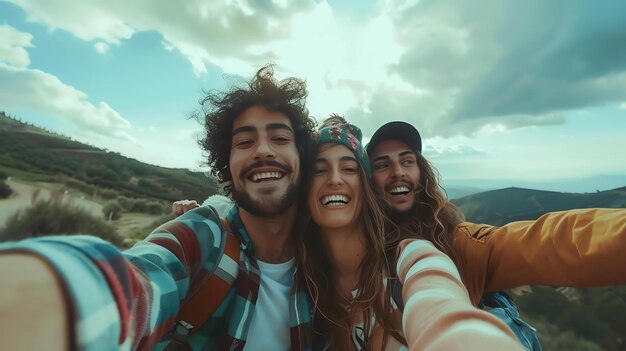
129,300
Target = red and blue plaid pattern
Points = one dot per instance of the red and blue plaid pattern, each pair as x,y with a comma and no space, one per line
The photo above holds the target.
129,300
247,289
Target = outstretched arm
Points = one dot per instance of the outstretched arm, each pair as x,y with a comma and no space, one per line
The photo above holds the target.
438,314
33,314
576,248
110,299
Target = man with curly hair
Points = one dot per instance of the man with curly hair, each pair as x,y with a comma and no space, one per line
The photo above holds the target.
85,294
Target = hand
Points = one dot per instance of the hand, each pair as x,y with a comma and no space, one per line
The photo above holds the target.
33,310
181,206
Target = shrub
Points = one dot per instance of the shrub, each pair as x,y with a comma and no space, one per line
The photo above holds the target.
79,185
108,194
125,202
138,205
151,188
142,205
56,216
3,176
5,190
154,207
112,210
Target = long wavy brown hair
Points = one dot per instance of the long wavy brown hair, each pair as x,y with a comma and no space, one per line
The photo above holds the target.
332,311
433,217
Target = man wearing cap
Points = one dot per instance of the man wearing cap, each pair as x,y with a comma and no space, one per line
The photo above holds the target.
576,248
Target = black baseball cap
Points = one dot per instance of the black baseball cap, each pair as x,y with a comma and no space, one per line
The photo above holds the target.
396,130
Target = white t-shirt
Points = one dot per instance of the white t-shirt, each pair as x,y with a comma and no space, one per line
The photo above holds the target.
269,328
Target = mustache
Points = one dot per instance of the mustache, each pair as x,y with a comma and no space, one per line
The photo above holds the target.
268,163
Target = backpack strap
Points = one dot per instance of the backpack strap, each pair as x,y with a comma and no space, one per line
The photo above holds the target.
199,308
396,293
501,305
393,282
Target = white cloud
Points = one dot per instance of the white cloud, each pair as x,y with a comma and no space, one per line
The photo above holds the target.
23,87
501,63
188,134
13,46
87,20
344,62
205,32
448,67
534,153
147,145
101,47
443,151
497,61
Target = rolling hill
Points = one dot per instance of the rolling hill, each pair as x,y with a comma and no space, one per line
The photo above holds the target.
498,207
593,183
47,156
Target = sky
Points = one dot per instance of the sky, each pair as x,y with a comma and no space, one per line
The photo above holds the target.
499,89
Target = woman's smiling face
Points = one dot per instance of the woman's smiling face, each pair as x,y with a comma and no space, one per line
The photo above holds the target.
335,197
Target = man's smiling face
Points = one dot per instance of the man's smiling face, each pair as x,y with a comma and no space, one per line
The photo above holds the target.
264,162
396,174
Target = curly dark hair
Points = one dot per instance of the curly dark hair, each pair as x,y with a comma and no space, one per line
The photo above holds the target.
220,109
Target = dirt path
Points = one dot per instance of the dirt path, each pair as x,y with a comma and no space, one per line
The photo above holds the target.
136,225
23,197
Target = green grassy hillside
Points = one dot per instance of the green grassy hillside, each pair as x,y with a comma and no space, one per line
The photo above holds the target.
33,151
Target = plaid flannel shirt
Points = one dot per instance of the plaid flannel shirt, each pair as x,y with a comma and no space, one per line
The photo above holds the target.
129,300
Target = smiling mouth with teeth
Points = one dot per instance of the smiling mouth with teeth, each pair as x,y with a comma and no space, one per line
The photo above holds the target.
399,190
335,200
266,176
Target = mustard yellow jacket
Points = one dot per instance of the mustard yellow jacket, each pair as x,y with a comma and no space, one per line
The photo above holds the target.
575,248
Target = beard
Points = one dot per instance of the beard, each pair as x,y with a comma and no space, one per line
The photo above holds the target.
266,207
404,217
266,204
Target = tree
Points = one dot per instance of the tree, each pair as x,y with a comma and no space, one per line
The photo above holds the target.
5,190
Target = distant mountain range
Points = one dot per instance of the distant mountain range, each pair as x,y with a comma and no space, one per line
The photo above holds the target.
44,155
462,187
502,206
